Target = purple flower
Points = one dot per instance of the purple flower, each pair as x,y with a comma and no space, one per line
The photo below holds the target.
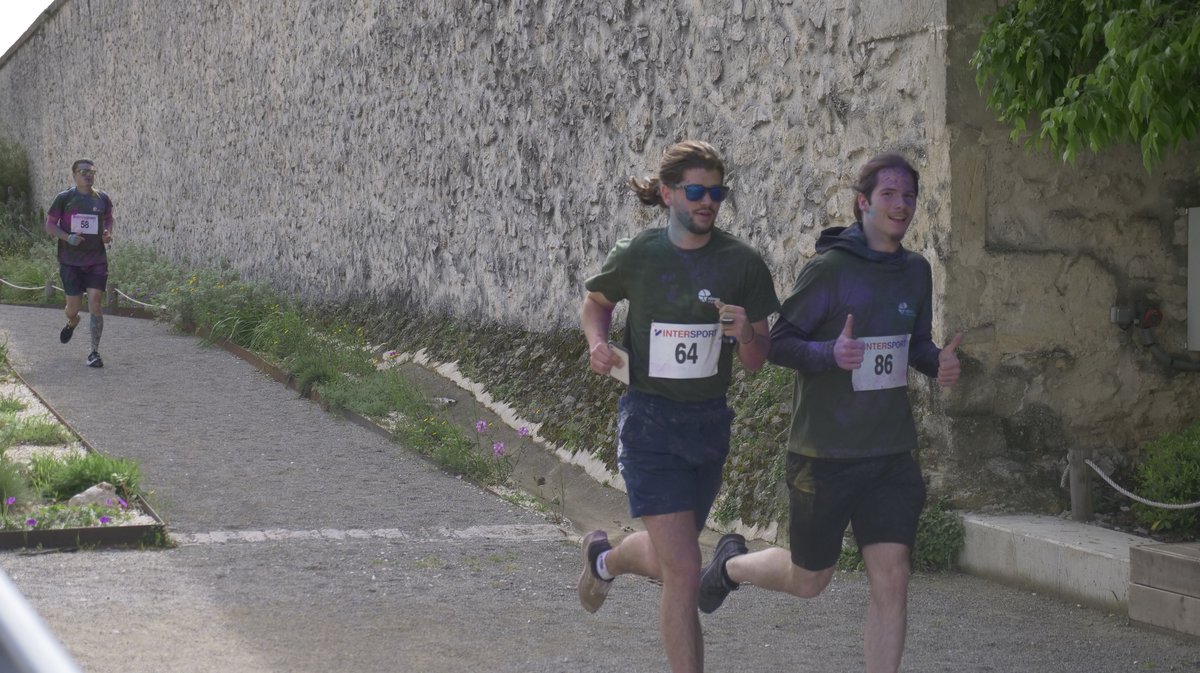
31,522
10,500
481,425
104,519
122,503
523,431
498,449
108,502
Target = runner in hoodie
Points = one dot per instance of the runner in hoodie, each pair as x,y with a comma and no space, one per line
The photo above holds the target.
857,319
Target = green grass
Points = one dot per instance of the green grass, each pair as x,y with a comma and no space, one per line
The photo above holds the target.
36,431
376,395
61,515
60,478
13,484
11,405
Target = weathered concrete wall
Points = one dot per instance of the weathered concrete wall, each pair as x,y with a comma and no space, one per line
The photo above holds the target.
1036,255
469,157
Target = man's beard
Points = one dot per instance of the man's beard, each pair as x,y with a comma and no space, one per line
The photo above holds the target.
684,219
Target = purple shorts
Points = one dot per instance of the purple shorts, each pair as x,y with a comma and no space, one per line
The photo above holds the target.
76,279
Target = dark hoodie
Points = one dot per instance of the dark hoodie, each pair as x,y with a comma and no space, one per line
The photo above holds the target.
889,294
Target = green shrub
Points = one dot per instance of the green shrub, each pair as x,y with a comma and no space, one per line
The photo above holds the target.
26,272
19,225
139,273
1170,473
10,405
61,478
940,537
14,170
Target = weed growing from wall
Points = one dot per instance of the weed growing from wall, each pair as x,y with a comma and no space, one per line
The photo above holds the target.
18,217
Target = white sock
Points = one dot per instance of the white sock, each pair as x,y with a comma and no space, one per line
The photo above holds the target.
602,567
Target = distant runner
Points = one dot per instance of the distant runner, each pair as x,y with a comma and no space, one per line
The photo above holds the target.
81,218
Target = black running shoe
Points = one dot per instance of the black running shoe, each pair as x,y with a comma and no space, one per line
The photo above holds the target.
66,333
714,583
94,360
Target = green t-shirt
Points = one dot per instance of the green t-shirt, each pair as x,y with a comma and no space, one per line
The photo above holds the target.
672,330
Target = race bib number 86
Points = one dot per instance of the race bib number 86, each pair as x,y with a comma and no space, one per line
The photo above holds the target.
885,364
684,351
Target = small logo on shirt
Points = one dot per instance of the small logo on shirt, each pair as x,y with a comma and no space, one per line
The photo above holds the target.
905,310
706,297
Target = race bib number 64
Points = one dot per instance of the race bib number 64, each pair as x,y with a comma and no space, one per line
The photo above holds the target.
885,363
684,351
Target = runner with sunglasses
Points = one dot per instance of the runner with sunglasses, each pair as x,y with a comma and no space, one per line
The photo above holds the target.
688,284
81,218
859,316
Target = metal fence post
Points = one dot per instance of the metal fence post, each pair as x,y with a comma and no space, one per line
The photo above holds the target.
1081,484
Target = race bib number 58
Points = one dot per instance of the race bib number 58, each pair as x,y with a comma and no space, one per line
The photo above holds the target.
684,351
85,224
885,364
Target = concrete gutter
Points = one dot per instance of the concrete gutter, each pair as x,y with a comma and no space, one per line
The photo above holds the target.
1077,562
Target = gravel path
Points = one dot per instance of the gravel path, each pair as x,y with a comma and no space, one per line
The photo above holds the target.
311,544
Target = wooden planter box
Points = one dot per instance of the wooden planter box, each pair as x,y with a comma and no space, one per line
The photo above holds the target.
1164,586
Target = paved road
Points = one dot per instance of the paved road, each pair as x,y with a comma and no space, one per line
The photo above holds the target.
311,544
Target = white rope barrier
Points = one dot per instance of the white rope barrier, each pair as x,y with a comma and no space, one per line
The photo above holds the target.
19,287
1127,494
140,303
119,292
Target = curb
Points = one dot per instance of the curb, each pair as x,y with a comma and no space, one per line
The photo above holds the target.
1077,562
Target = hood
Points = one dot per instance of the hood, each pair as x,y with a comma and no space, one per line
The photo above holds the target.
853,240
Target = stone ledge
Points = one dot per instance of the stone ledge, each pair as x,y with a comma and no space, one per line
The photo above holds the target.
1075,561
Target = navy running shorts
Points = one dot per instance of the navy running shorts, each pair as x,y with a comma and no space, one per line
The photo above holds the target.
671,454
881,498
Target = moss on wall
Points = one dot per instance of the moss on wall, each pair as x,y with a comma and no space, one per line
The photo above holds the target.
545,377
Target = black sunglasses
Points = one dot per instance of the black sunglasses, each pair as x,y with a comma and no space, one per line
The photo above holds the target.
696,192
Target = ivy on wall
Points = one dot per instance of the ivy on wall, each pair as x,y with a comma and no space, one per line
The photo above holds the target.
1073,74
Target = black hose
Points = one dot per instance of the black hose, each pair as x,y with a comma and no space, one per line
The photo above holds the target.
1163,356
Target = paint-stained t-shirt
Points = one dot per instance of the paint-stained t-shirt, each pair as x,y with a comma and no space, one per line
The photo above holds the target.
836,413
672,331
88,215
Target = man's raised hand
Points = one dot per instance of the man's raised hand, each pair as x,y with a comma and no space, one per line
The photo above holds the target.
848,351
948,366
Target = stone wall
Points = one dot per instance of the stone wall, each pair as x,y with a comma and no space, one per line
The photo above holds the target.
468,158
1036,254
